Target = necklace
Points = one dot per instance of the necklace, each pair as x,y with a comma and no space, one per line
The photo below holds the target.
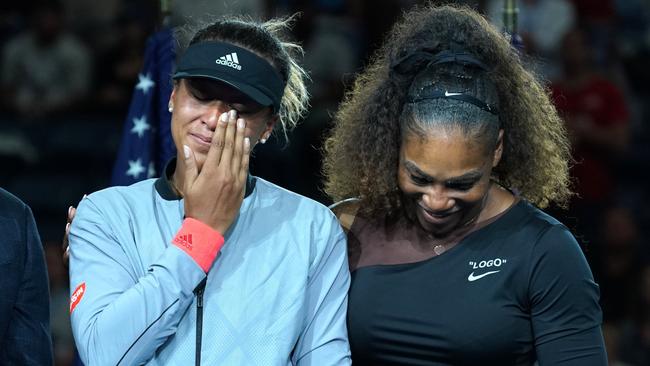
441,245
439,249
465,229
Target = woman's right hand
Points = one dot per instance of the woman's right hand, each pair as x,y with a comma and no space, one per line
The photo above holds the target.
214,195
65,244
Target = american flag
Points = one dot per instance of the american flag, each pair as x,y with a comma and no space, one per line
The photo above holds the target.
146,139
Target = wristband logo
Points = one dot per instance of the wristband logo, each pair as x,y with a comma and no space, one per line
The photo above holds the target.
184,240
77,295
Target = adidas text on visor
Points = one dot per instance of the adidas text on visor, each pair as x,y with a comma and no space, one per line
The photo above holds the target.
235,66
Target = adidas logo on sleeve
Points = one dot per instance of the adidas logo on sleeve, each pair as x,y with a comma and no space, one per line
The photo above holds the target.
230,60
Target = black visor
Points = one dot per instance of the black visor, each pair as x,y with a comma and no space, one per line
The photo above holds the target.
235,66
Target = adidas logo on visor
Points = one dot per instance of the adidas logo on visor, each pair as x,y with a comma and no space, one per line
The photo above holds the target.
230,60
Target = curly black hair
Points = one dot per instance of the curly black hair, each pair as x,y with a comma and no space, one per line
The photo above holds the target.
362,150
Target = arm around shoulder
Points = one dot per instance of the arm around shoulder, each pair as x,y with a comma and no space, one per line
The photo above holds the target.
346,211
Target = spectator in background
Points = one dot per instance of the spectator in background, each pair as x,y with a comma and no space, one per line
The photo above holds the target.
612,336
91,19
595,10
635,335
45,69
24,306
598,18
633,46
12,19
617,265
542,25
596,116
632,26
119,65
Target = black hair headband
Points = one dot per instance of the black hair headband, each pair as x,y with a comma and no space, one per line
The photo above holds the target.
437,94
421,60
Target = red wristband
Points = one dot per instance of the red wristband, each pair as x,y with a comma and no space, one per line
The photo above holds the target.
199,241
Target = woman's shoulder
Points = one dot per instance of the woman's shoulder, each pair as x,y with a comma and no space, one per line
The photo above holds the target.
531,227
287,202
346,211
118,199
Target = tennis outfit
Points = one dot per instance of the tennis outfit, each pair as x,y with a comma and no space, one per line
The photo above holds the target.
515,291
276,294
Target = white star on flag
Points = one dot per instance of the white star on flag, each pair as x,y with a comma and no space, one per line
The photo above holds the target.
140,125
151,171
145,83
135,168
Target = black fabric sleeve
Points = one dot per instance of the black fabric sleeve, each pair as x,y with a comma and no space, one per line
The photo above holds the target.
566,316
27,338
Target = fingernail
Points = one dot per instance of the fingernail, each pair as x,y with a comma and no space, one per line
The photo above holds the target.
224,117
247,142
69,211
233,114
186,151
241,123
67,227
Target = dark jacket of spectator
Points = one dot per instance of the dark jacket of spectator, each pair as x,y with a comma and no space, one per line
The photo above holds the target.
24,300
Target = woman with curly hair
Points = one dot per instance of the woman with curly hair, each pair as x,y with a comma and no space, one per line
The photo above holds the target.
449,146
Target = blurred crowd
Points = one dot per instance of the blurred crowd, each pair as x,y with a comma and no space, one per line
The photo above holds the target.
68,68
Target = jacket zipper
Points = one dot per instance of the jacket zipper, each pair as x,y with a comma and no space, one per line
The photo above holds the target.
199,320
